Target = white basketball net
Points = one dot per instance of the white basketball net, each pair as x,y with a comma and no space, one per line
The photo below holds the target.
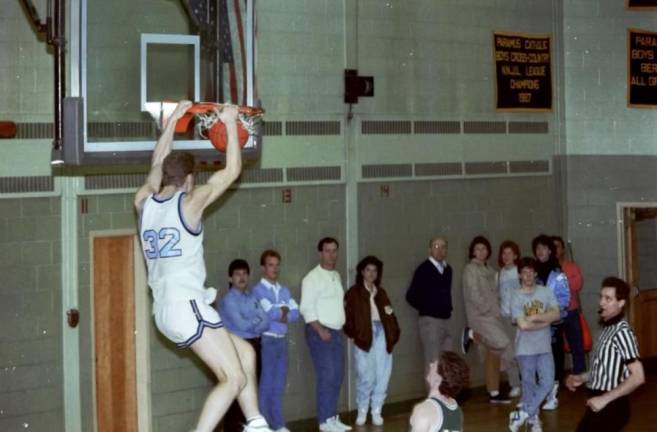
205,121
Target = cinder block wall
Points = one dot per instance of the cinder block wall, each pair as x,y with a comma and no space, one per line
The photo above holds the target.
30,307
241,225
397,228
431,61
611,148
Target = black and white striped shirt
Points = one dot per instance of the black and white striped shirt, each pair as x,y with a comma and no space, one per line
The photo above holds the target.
616,347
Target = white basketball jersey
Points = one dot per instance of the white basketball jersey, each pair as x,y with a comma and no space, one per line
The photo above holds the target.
173,251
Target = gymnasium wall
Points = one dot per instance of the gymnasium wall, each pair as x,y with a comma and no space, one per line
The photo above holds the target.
396,226
377,181
241,225
30,307
611,153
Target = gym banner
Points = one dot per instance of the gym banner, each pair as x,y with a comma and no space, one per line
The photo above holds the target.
523,71
641,68
641,4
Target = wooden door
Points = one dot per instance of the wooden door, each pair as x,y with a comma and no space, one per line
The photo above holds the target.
641,268
114,333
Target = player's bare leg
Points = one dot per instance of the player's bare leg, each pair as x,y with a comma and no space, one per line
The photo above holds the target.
217,350
248,397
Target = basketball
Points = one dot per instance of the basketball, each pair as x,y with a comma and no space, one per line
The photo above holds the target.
217,135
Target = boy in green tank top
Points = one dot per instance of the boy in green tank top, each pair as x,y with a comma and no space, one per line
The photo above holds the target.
447,376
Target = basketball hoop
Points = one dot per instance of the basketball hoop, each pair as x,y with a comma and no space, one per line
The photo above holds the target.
209,126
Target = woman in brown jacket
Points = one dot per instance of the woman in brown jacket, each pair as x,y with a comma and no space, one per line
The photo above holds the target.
372,325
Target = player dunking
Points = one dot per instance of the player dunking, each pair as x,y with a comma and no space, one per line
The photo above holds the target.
171,233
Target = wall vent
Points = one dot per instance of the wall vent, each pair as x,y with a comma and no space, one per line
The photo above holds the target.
387,170
265,175
437,127
385,127
34,130
114,181
273,128
438,169
314,173
538,166
26,184
311,128
520,127
480,168
484,127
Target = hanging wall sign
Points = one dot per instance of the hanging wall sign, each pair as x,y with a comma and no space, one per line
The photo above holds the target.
641,4
641,68
523,71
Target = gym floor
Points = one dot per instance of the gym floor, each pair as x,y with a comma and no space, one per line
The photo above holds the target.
481,416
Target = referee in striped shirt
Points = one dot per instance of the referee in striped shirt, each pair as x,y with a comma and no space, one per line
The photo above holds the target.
616,370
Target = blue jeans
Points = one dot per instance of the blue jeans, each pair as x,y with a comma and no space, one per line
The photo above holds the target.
573,331
537,379
373,370
328,360
272,380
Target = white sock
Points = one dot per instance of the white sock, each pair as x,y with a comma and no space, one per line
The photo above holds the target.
471,334
494,393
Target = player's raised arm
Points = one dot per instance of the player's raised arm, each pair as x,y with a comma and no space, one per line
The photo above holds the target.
204,195
162,149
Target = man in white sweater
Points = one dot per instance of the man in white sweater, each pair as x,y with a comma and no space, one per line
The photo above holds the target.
322,307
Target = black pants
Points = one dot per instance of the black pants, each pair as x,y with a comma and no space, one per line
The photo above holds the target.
611,419
558,353
234,418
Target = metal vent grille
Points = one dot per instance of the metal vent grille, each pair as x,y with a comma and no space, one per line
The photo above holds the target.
26,184
249,175
114,181
438,169
437,127
385,127
484,127
265,175
539,166
314,173
312,128
33,130
476,168
274,128
518,127
387,170
122,130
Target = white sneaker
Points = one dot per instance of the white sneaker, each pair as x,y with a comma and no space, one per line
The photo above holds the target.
514,392
551,401
377,419
258,424
535,424
329,426
339,424
361,419
517,419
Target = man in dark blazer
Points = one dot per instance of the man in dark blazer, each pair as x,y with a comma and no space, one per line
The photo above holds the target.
430,293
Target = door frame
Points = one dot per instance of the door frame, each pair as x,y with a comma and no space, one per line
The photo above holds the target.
142,329
622,241
620,229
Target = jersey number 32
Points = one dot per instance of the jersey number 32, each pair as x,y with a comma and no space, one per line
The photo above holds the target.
161,244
